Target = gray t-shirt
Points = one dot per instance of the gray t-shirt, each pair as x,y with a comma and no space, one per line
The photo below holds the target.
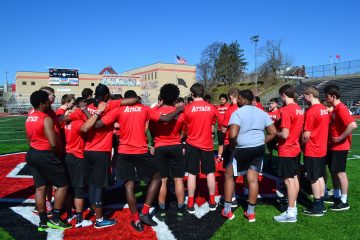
252,122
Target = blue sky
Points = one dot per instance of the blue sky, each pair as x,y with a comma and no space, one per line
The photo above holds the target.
91,35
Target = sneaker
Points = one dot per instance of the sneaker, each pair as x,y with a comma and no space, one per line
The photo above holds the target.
324,209
332,200
229,215
284,217
340,206
42,227
161,214
84,223
146,218
180,212
250,217
72,217
105,223
313,212
213,206
138,226
191,209
35,211
58,225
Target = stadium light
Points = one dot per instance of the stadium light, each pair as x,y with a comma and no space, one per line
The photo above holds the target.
255,40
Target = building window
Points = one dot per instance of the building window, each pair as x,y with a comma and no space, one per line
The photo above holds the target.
33,83
152,76
155,75
24,83
92,84
145,76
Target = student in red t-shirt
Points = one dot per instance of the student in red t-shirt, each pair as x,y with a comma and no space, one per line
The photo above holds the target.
256,102
199,118
274,113
222,107
44,164
98,150
229,186
314,138
134,157
342,124
292,120
74,159
168,149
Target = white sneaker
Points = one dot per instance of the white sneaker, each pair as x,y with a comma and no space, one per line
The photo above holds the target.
284,217
84,223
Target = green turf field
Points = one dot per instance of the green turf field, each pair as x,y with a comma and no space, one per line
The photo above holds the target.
334,225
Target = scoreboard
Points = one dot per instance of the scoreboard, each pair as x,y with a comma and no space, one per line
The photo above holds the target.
58,76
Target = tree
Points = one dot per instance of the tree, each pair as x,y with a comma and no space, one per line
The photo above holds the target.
230,63
206,67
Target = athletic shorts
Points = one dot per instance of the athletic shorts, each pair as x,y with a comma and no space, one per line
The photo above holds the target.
314,167
288,167
337,160
131,165
249,158
194,156
97,168
46,168
76,170
170,161
220,137
272,145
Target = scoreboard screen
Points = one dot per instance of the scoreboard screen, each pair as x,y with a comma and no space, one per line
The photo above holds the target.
63,76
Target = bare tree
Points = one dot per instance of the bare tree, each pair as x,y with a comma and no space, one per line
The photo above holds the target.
203,71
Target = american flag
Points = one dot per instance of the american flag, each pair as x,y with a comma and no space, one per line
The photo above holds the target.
180,60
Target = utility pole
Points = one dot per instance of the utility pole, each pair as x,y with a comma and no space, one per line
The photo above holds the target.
255,40
6,82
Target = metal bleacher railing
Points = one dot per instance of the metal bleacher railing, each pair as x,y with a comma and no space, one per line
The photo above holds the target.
334,69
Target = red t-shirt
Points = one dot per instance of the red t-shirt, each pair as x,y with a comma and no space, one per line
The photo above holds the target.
339,120
132,121
275,117
292,118
35,131
316,122
232,108
100,140
222,109
199,118
260,106
166,134
75,140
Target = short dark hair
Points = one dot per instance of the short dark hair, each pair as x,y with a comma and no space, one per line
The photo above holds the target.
101,91
247,94
207,97
275,100
197,90
130,94
223,95
288,90
66,98
87,92
116,96
180,99
257,98
169,93
332,90
48,89
78,100
39,97
189,99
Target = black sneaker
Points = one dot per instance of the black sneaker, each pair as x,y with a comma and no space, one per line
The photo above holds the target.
313,212
324,209
138,226
180,212
332,200
42,227
340,206
146,218
58,225
191,209
161,214
212,207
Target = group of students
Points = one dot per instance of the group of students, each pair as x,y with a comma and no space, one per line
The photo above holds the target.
72,147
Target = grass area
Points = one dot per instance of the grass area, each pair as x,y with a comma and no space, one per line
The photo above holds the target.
337,225
5,235
12,135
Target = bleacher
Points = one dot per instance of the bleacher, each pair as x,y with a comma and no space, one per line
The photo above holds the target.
349,88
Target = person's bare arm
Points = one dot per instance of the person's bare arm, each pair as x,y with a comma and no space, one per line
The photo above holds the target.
271,133
233,134
284,133
128,101
91,122
170,116
349,129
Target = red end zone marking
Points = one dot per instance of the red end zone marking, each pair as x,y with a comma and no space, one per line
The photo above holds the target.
14,188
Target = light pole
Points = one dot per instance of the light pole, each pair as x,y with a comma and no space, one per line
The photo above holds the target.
255,40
